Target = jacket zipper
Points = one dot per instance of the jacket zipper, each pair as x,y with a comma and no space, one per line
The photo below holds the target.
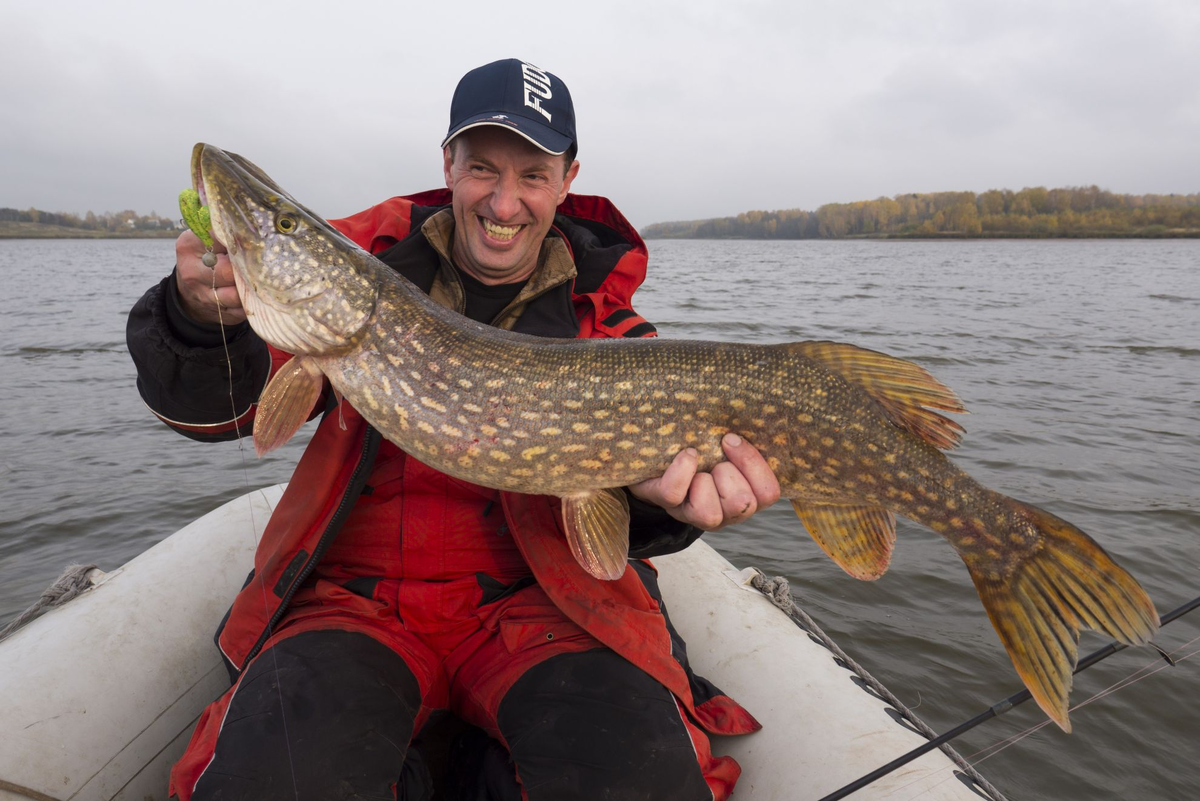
358,480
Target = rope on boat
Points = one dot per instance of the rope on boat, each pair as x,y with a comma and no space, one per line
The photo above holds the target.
779,593
74,580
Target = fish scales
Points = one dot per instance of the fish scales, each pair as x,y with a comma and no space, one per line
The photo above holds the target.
570,415
854,437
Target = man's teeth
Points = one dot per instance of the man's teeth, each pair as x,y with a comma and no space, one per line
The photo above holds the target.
500,231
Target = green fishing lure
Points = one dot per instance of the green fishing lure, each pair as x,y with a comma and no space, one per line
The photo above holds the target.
196,216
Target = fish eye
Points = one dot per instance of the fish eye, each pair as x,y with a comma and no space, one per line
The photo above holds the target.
285,224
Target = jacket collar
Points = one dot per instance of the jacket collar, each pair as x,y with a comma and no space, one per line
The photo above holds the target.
555,268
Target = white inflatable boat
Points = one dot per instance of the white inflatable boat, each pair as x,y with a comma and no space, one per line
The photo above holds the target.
99,697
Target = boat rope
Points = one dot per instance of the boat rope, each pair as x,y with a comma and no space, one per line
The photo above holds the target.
778,592
74,580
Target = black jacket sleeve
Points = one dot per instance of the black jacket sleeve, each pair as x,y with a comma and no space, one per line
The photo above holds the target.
183,373
653,532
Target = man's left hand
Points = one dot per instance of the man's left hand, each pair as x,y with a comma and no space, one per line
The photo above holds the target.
732,492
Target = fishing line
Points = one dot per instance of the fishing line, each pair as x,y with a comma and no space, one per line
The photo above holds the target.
992,750
254,535
1138,675
1134,679
998,709
996,748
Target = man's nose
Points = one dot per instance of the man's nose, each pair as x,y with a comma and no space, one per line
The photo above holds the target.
506,199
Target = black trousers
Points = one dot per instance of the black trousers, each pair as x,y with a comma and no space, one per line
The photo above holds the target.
329,715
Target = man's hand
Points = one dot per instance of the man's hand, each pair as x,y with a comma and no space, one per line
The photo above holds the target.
196,283
732,492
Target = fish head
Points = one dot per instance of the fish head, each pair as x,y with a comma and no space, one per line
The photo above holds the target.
306,288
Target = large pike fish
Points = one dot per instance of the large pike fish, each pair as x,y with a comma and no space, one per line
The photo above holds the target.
853,436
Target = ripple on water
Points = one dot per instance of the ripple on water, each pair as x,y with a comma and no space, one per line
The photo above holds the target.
1154,350
1174,298
37,351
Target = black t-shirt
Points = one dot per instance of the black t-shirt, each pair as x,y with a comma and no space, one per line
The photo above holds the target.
486,301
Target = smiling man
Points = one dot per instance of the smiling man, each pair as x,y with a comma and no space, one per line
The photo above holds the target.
385,592
506,193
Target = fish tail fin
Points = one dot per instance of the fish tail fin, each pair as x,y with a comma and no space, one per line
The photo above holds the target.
1068,582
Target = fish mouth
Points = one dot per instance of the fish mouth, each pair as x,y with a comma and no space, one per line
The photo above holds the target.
243,202
305,287
197,174
232,188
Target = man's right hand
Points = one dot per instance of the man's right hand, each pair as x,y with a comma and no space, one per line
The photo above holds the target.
207,296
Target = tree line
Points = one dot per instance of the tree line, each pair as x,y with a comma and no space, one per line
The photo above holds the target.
1032,212
112,222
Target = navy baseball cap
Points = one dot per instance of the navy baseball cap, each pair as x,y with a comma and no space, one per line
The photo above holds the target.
516,95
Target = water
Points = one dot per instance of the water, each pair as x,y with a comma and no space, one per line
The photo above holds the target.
1079,360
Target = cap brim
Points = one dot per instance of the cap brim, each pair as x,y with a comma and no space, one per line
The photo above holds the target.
537,133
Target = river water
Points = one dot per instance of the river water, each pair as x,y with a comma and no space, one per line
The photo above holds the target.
1079,360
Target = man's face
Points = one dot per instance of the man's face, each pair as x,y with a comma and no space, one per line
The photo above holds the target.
505,194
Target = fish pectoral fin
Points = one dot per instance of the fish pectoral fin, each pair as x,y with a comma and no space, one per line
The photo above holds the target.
597,527
285,403
860,539
907,392
1038,606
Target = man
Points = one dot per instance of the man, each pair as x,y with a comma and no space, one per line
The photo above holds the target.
384,590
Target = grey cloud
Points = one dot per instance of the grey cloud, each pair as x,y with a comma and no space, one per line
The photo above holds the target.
686,109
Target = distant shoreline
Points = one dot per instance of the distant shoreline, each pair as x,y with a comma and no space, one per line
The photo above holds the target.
1184,234
31,230
1080,212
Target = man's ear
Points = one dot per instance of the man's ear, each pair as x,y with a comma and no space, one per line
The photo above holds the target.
447,163
572,171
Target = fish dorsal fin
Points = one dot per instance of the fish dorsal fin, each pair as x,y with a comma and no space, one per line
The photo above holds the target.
907,392
597,526
859,539
286,403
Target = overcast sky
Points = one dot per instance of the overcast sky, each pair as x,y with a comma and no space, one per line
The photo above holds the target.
685,110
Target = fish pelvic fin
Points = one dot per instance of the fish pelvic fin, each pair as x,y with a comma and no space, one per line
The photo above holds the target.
285,403
860,539
911,398
597,528
1067,583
